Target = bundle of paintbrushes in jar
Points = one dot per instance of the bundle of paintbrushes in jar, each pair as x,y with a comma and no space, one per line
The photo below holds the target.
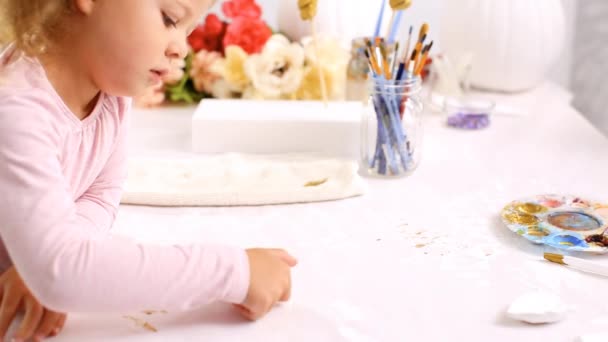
392,121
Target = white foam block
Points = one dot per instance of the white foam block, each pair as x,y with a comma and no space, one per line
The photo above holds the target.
274,127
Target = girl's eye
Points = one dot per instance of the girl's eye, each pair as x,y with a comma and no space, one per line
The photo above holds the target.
168,21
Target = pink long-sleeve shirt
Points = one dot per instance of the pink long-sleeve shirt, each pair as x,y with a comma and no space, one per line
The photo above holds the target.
61,180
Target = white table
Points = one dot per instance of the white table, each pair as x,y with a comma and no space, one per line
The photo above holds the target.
424,258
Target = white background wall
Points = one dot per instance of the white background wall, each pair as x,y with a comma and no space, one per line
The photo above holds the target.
429,11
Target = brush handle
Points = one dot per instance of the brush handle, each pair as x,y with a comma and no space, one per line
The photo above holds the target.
586,266
379,20
321,74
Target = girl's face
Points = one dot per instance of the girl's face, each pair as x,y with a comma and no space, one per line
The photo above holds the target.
129,44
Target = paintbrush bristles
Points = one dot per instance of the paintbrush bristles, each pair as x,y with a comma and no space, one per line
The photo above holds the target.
424,29
386,62
578,264
556,258
425,54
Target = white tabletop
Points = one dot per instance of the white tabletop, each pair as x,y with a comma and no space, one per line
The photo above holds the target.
424,258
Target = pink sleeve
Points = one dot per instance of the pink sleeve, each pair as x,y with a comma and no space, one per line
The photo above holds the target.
99,204
71,268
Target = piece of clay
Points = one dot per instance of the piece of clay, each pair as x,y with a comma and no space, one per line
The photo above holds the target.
538,308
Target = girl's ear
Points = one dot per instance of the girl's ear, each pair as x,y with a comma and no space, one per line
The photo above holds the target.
83,6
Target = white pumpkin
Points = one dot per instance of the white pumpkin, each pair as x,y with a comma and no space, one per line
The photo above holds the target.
343,19
514,43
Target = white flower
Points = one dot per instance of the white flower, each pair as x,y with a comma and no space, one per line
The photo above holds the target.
222,89
331,54
232,68
278,70
332,58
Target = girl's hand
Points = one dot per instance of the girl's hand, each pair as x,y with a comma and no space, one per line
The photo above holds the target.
38,322
270,271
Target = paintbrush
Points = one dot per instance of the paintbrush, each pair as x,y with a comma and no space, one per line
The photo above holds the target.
397,6
371,55
423,59
385,62
379,20
424,29
406,51
412,59
419,46
578,264
308,11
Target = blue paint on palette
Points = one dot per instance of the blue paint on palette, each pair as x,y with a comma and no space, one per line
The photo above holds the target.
565,241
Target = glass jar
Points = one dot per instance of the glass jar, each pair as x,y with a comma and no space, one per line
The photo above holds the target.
391,128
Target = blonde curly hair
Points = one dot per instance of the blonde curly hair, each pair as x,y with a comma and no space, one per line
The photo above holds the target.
31,24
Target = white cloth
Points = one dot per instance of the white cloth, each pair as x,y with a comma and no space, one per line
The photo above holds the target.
239,180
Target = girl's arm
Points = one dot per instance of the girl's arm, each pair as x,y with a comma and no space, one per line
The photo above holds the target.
70,267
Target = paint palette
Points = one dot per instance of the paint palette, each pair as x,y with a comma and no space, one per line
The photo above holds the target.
564,222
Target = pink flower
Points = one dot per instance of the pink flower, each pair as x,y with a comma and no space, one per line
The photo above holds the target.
208,36
176,72
202,72
241,8
248,33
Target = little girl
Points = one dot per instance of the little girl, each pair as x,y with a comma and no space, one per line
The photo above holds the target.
66,74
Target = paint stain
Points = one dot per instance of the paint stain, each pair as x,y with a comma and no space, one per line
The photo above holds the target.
315,183
152,312
572,220
420,245
141,323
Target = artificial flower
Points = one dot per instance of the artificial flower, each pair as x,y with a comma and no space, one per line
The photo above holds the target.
310,87
250,34
241,8
232,68
220,89
327,54
176,71
203,69
278,70
208,36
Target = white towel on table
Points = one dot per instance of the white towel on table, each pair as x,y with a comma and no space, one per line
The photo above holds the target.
239,180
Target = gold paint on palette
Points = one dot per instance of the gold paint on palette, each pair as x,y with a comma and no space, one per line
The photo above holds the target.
520,218
316,183
531,208
538,231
